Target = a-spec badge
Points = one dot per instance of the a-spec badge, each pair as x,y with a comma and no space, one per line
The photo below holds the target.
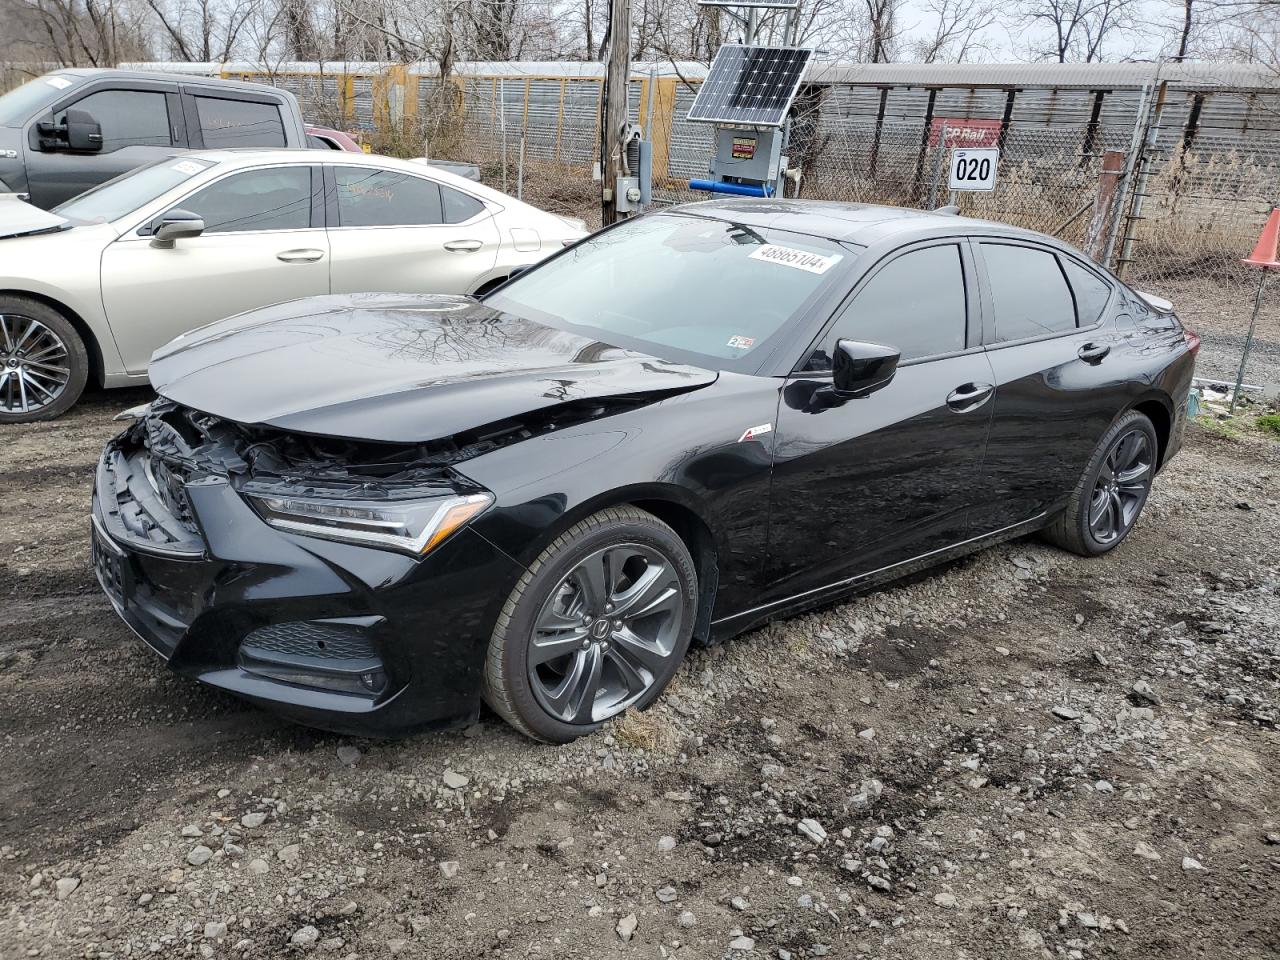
8,154
755,433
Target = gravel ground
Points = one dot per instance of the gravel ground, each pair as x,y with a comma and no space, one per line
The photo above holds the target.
1021,755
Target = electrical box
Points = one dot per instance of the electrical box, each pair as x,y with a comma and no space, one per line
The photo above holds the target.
753,154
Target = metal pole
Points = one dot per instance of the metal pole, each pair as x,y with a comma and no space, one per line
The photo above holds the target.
502,125
520,173
1248,341
938,164
1135,145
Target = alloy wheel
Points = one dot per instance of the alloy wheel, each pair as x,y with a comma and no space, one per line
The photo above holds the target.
1124,480
35,365
605,634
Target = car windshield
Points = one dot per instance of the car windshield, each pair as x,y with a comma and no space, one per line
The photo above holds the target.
126,193
703,291
20,104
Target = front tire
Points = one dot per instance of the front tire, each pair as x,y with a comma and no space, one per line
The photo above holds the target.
43,362
597,625
1106,503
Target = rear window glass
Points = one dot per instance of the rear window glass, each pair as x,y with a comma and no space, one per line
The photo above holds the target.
1029,292
1092,292
239,123
385,198
459,207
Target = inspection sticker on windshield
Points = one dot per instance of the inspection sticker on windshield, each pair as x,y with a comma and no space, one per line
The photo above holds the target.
741,343
59,83
796,259
189,167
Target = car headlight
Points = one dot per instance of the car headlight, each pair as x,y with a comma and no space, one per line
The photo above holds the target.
412,526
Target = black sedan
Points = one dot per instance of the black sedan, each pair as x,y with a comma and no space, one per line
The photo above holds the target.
371,512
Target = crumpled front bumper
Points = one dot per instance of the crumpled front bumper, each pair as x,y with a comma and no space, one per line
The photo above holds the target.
265,614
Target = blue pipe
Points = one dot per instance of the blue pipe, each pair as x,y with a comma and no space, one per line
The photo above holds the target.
737,189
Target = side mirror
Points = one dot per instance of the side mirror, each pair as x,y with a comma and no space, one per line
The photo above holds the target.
860,368
176,225
84,133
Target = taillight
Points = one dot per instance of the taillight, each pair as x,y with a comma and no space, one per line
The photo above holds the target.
1193,340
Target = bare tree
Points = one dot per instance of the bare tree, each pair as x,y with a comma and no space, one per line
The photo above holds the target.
202,30
959,30
1076,29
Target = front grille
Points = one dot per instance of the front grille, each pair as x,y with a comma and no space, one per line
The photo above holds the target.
305,638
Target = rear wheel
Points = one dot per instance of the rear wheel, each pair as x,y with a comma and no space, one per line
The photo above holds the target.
598,624
43,361
1110,496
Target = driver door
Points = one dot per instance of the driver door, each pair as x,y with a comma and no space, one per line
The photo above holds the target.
264,242
872,481
137,128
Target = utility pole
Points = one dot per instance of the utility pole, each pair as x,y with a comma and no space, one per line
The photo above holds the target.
617,79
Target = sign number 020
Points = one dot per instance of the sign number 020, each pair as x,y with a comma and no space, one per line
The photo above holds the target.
974,168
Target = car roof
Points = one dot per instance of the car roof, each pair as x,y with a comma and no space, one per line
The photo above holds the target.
261,156
92,73
858,223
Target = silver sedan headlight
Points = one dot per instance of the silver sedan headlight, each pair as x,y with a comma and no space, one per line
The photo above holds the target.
415,527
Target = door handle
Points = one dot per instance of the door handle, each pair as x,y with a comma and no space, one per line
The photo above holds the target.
1093,352
307,255
969,396
464,246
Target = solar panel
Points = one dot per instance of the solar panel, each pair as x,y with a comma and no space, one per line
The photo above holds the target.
750,85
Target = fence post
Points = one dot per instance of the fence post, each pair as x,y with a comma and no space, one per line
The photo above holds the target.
1095,243
939,162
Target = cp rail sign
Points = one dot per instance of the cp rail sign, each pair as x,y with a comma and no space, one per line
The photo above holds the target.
974,168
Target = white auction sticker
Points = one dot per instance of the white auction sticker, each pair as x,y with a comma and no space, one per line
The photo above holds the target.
188,167
796,259
60,83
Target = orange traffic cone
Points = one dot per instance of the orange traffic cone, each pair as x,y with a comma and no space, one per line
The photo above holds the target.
1266,253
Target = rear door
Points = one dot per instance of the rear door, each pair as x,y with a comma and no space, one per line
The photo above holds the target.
869,482
397,232
1058,380
140,122
264,242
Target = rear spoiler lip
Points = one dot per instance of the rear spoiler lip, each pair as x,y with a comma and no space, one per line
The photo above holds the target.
1158,304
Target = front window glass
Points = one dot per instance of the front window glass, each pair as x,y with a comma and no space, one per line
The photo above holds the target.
915,303
707,289
22,103
127,192
277,198
129,118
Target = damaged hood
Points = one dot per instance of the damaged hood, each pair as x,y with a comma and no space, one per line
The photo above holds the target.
20,219
397,368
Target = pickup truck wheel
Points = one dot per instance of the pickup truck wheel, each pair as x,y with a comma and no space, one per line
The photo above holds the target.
43,362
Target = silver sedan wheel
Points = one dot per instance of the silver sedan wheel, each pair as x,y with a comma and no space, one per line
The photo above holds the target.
35,365
605,633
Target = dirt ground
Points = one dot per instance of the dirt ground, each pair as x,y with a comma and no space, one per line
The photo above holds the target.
1024,754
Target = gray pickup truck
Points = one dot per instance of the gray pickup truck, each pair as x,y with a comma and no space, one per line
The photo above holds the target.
67,131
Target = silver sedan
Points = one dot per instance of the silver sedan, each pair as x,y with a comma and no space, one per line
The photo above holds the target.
91,288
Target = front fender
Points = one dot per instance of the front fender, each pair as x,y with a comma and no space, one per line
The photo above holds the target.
685,450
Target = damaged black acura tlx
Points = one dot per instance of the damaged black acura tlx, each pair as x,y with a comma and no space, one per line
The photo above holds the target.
370,512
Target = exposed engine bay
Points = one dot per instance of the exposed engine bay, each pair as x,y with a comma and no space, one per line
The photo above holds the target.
172,445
